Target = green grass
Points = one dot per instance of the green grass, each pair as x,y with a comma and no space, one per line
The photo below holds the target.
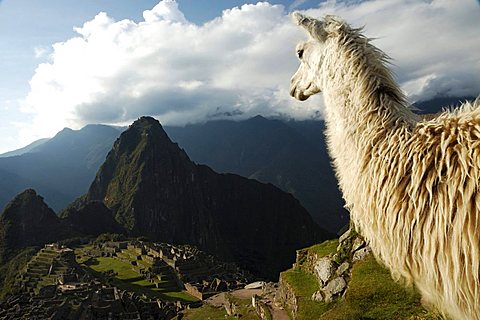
304,284
373,294
325,248
11,269
123,269
128,279
207,312
180,295
80,253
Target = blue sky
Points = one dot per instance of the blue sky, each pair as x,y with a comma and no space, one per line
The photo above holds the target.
192,60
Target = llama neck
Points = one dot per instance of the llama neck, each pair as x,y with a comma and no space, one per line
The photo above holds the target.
359,89
363,105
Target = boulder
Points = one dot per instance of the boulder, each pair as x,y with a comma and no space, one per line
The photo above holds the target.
343,268
357,244
324,269
255,285
335,286
361,254
345,235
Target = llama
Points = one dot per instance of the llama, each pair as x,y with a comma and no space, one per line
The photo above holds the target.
412,187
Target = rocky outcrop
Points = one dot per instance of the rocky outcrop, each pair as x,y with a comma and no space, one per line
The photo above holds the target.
333,271
155,190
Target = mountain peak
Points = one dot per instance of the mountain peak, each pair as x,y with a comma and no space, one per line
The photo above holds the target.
144,128
25,203
26,221
64,131
146,123
258,118
28,193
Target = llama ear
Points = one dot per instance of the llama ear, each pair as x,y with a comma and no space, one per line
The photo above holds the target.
313,26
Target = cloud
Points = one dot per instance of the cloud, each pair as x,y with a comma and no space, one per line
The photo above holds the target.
40,52
115,71
238,64
295,4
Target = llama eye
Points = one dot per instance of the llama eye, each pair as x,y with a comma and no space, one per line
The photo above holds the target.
300,53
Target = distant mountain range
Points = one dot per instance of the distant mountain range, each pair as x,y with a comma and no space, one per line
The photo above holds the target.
289,154
436,105
61,168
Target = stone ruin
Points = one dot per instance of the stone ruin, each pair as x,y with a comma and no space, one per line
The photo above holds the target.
201,274
54,286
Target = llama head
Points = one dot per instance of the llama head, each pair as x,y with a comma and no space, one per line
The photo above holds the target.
306,81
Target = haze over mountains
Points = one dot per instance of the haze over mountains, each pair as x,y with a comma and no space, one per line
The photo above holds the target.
61,168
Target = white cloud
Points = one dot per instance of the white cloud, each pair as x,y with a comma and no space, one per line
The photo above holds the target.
165,10
238,64
40,52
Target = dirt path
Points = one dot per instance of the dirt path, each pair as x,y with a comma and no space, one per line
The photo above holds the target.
277,312
246,294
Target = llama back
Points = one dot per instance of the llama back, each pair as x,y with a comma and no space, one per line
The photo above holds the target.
420,208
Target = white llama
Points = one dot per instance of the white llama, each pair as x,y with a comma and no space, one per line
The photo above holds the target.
412,186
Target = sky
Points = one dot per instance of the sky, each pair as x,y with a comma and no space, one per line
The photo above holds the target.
68,63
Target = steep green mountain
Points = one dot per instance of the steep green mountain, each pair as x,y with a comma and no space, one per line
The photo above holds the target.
155,190
290,155
60,169
27,221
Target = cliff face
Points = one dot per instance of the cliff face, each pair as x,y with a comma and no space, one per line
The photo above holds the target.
27,221
155,190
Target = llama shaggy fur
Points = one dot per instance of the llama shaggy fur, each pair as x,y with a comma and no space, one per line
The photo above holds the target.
412,187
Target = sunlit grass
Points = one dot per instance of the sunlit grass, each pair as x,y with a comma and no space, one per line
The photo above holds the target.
325,248
373,294
128,279
207,312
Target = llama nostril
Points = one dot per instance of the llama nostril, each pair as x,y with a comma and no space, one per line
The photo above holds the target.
292,91
302,97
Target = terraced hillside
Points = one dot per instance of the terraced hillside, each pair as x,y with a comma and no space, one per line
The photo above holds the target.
45,268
